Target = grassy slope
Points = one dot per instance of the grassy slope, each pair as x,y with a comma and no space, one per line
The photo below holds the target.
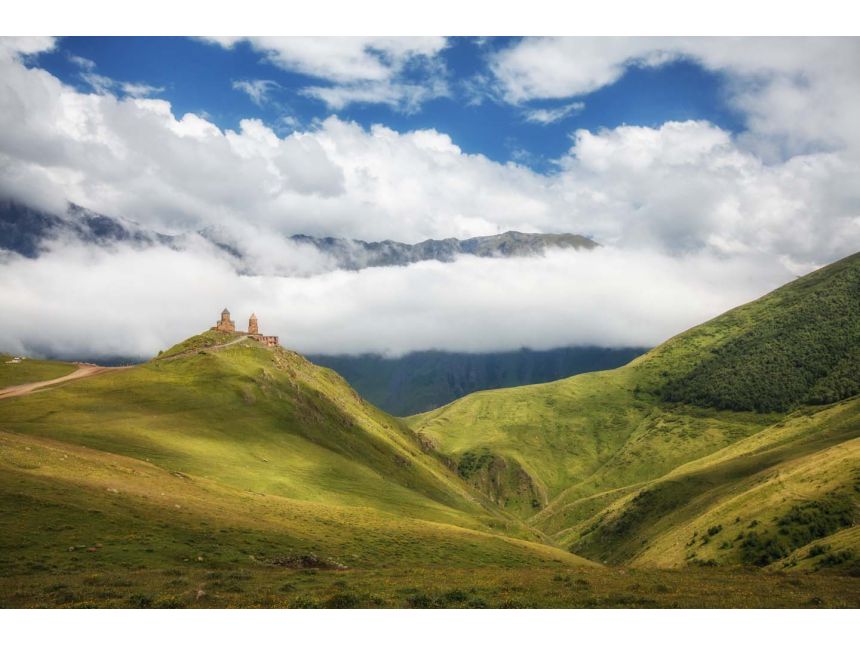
61,495
705,510
258,420
220,461
145,537
596,442
227,451
582,436
31,370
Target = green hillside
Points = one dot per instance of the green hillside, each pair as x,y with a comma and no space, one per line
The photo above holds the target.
799,344
256,419
632,462
227,454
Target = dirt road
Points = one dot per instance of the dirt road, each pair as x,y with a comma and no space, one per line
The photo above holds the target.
84,370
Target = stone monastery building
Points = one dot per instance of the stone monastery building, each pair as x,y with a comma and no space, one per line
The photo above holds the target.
226,324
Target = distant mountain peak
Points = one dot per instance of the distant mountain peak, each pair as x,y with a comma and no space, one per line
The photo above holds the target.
359,254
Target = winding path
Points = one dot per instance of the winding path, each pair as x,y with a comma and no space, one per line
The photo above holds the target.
88,370
84,370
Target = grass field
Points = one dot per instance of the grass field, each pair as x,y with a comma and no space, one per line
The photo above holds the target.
195,585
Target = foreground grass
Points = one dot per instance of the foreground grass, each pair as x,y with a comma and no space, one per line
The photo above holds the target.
198,585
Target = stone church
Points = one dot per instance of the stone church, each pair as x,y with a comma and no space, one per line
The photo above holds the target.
226,324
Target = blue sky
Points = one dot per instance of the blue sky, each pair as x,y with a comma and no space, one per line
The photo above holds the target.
199,77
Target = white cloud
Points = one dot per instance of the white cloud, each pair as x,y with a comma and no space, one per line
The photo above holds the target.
546,116
258,89
23,46
686,185
140,90
359,70
554,68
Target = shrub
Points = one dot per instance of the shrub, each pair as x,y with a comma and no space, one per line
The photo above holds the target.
455,596
472,461
342,600
422,600
837,558
818,550
171,601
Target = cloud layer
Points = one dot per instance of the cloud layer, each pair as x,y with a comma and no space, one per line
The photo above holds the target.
94,301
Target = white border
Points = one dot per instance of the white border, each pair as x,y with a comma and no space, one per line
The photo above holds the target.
429,627
439,17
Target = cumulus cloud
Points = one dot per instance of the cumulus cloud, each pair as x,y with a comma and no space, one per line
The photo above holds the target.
150,298
23,46
687,186
554,68
401,72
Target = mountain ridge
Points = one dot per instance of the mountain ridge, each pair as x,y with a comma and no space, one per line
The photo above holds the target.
25,230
